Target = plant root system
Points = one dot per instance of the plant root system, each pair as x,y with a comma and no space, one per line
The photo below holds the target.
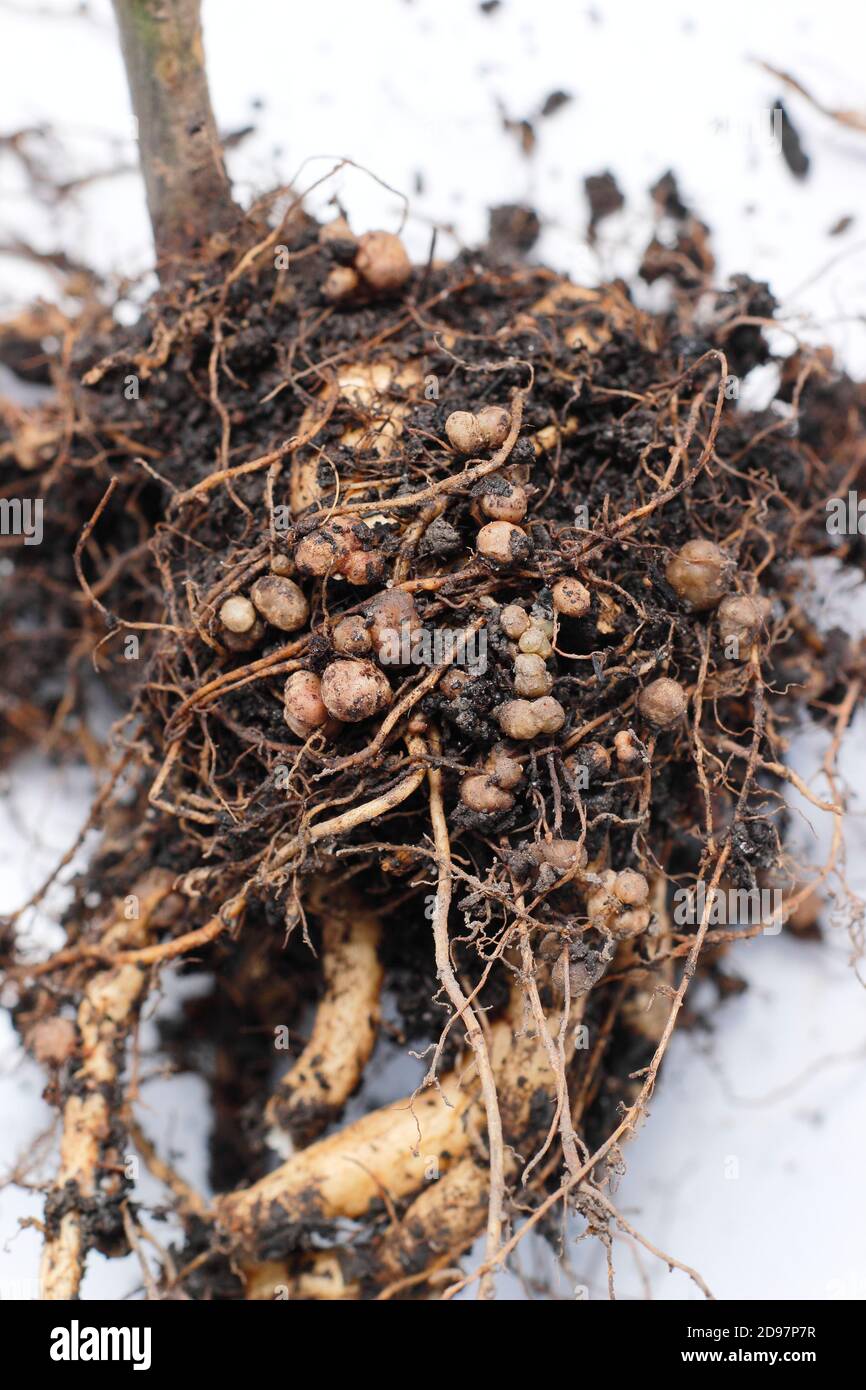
456,618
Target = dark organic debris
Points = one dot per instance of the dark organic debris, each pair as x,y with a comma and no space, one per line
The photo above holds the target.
666,194
841,225
792,148
513,230
554,102
604,197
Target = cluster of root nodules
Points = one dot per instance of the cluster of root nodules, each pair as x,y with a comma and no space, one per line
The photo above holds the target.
455,615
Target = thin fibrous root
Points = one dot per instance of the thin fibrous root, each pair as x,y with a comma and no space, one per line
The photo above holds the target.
466,1013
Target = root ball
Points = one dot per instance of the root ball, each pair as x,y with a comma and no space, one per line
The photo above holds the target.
740,620
513,621
341,282
562,855
700,574
354,690
463,432
303,707
504,770
494,422
549,713
631,888
663,703
351,636
509,504
238,615
571,598
531,677
525,719
280,602
382,261
501,544
394,624
363,567
480,793
326,549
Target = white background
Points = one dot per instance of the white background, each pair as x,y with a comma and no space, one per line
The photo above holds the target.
774,1089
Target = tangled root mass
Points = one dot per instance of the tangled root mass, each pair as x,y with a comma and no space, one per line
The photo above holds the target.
456,617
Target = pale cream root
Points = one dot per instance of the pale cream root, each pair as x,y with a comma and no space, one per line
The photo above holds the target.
332,1064
105,1015
437,1227
392,1153
321,1278
386,1153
